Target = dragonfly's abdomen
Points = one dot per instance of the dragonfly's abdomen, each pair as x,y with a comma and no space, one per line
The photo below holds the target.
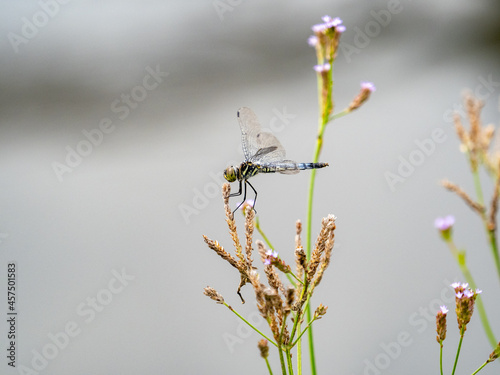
311,165
288,166
249,169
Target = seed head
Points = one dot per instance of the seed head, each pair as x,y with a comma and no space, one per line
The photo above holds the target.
264,348
494,354
441,324
465,299
213,294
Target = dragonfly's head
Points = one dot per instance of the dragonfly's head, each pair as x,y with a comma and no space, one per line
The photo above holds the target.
230,174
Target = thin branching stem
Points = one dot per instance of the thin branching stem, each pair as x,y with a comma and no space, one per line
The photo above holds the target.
490,232
251,325
480,368
460,258
458,350
317,152
268,366
289,361
299,355
304,331
263,235
441,357
282,359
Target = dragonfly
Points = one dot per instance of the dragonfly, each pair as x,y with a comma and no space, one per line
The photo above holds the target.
263,154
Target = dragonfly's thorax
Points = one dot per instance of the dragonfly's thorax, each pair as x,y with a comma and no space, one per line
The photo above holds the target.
246,170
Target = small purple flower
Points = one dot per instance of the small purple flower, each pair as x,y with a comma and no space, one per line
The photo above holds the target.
322,68
441,324
444,223
478,291
320,27
368,86
464,300
340,29
248,202
460,288
336,21
326,19
329,23
271,255
468,293
312,41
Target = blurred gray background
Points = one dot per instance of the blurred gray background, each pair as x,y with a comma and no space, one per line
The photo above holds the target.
108,245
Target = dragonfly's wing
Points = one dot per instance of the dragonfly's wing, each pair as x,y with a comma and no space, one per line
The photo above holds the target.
258,145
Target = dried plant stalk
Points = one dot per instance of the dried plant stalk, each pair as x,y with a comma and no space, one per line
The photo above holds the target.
215,246
276,302
249,228
226,190
327,226
462,194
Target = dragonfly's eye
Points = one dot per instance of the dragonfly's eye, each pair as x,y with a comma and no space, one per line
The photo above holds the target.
230,174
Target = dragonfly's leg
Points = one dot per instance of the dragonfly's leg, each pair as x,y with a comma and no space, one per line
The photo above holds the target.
238,193
244,196
255,199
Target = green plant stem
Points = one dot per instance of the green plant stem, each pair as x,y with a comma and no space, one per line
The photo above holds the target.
494,248
268,366
339,115
477,186
261,232
305,329
480,368
311,344
298,316
281,349
296,328
490,233
250,324
326,107
289,361
441,357
460,258
286,348
480,309
291,274
458,350
319,145
299,355
282,360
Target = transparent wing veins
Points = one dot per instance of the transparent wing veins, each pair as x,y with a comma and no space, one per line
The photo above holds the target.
259,146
